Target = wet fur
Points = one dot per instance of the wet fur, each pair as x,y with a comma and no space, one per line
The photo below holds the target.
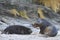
46,28
17,29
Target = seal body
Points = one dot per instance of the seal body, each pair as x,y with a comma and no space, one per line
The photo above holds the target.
46,28
17,29
50,31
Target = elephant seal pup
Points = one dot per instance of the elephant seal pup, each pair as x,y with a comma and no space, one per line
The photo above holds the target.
17,29
46,28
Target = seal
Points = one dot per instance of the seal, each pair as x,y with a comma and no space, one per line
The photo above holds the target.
17,29
46,28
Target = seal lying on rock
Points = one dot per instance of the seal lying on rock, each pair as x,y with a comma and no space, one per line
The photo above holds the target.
46,28
17,29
